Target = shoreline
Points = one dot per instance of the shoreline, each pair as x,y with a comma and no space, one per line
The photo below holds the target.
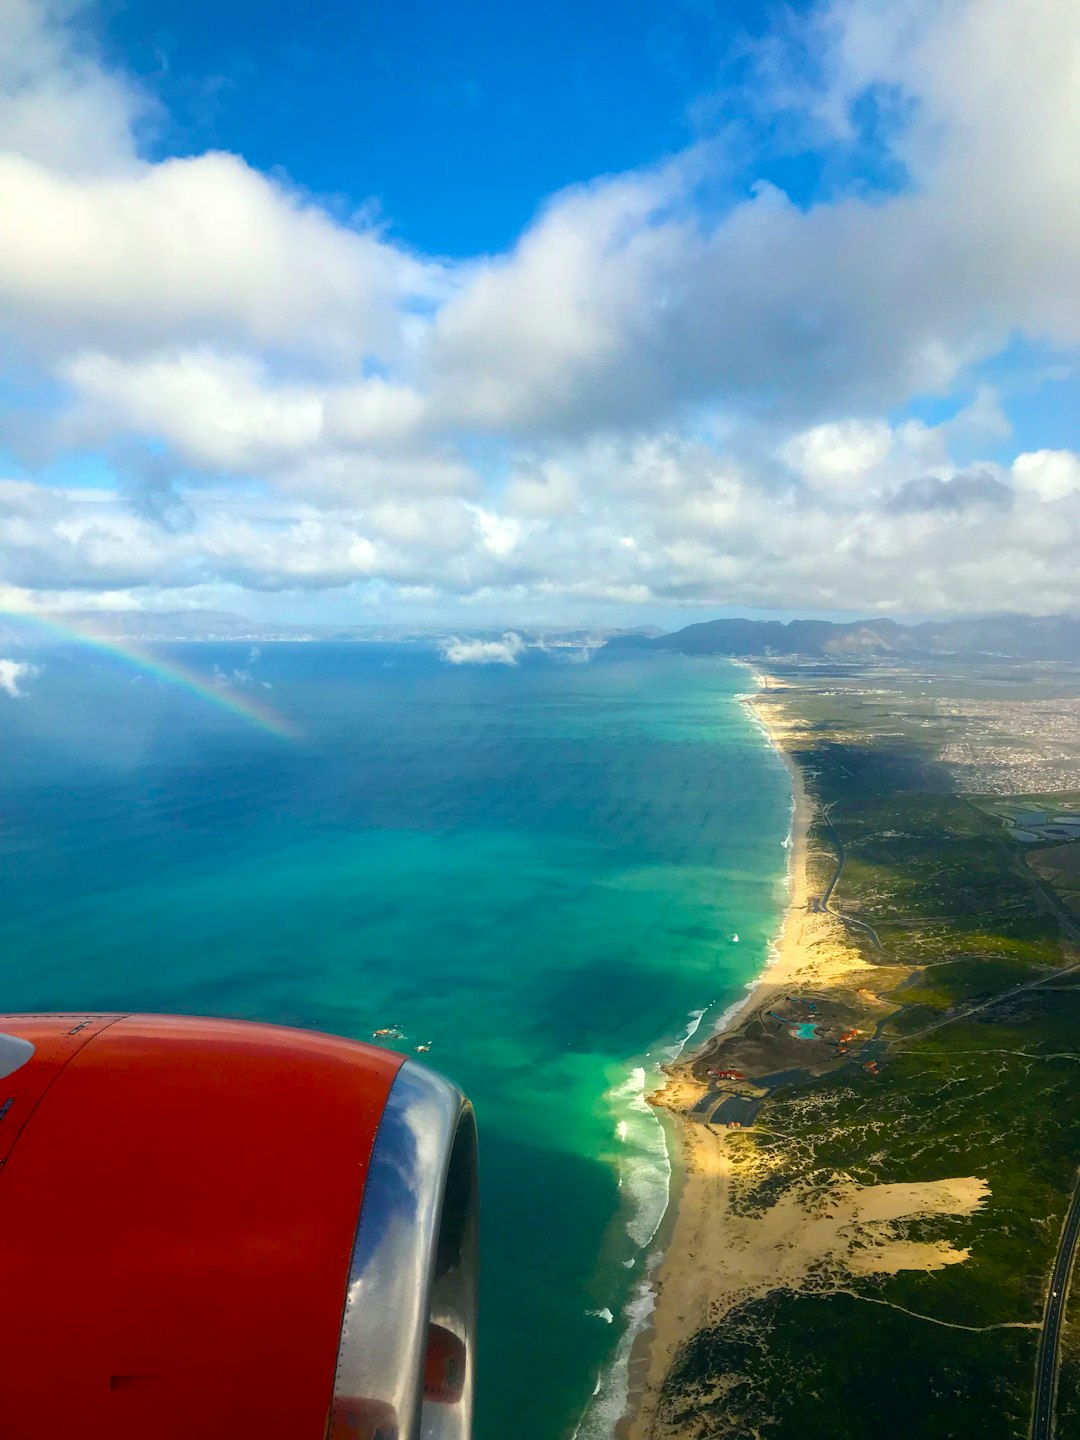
827,1147
690,1048
713,1258
655,1346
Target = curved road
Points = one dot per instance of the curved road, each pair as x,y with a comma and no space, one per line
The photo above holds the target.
848,920
1046,1360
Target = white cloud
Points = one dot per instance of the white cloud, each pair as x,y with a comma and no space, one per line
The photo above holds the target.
58,106
1048,474
541,336
199,250
543,488
13,673
610,308
659,519
839,455
374,413
650,398
500,535
215,411
102,250
483,652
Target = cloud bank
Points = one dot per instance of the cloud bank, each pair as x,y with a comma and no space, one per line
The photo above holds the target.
656,397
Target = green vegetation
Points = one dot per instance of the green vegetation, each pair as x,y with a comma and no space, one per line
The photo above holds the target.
981,1078
818,1367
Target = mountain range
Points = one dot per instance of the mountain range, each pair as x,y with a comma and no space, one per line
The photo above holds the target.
1027,637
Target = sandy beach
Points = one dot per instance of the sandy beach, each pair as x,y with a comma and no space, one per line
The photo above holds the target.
719,1254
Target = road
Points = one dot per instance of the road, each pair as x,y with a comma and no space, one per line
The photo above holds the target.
840,857
823,903
951,1019
1046,1360
1043,896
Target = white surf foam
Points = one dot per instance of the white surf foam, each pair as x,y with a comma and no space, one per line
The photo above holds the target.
644,1167
693,1024
612,1388
644,1181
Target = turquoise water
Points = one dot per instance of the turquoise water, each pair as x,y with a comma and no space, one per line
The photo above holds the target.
806,1031
537,870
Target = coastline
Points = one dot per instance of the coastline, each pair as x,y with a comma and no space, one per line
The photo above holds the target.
840,1145
710,1261
615,1397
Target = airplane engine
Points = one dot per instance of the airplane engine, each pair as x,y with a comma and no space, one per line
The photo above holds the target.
212,1229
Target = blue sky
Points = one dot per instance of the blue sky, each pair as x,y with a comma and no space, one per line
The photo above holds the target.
458,121
584,313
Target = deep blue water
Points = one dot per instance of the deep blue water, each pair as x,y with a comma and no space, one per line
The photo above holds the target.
538,870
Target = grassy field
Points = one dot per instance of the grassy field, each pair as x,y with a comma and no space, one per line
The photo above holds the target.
981,1078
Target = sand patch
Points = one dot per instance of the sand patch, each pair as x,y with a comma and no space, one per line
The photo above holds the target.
961,1196
812,1236
817,1238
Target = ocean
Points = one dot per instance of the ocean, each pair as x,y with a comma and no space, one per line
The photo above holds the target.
538,870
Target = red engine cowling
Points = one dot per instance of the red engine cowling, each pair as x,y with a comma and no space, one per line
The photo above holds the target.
217,1229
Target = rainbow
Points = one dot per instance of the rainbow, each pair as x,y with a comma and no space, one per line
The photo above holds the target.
245,707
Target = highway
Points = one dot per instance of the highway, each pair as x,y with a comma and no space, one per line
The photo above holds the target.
1046,1360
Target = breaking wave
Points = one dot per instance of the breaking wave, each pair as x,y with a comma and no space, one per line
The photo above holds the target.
645,1185
643,1163
613,1386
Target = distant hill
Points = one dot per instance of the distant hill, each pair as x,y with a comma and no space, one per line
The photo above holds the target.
1027,637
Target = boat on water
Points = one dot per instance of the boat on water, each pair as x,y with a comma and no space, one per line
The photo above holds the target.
388,1032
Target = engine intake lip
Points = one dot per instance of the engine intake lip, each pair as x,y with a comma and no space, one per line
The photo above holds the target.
413,1265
